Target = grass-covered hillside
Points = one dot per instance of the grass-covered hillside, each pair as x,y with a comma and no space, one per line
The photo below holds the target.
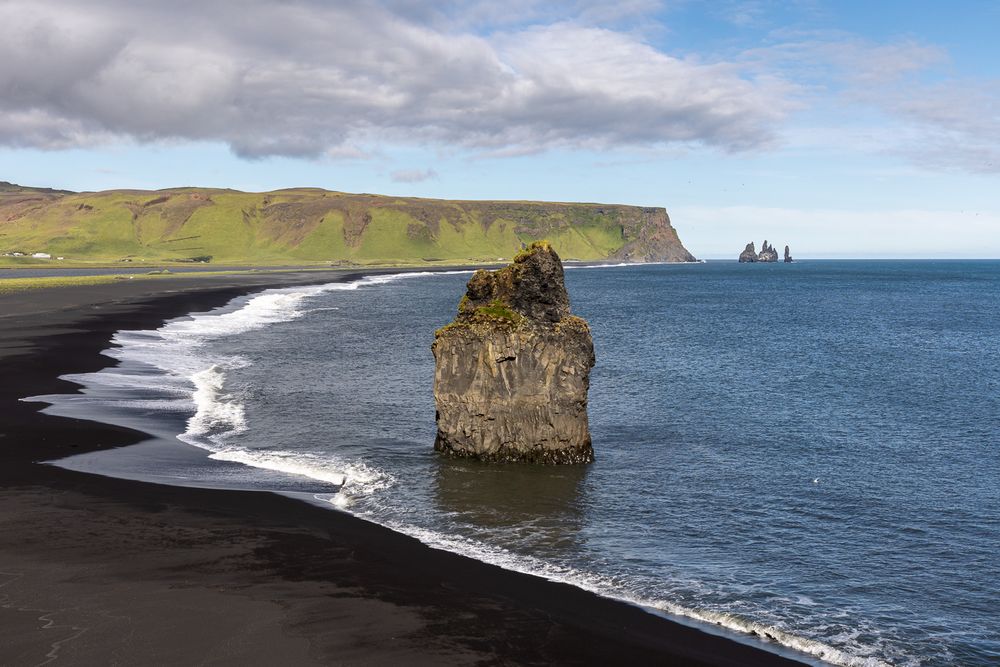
306,225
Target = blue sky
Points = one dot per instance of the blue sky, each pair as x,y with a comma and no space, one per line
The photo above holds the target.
843,129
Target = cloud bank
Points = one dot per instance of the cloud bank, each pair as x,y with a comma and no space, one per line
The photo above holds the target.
310,78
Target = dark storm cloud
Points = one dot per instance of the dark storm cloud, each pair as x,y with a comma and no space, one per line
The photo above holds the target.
307,79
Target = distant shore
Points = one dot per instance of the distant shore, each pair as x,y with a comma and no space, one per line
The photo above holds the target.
95,568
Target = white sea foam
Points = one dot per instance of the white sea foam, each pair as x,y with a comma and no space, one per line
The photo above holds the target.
355,478
216,413
597,266
220,416
177,351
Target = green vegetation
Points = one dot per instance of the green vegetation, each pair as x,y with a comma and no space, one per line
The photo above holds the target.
497,310
527,251
9,285
301,226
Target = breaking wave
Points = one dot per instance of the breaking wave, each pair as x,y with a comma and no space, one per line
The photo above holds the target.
186,369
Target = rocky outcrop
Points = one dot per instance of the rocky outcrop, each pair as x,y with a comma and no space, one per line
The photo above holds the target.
788,256
767,253
749,254
513,370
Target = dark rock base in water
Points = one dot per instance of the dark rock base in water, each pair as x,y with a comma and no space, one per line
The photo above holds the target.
510,454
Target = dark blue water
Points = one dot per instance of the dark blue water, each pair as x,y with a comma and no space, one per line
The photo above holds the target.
809,452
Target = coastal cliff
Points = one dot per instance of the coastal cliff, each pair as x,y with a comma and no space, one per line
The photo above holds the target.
650,237
512,371
310,225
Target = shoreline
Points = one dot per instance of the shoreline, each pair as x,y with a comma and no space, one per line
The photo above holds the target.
318,585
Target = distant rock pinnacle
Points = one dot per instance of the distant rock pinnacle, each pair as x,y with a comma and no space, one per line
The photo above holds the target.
767,253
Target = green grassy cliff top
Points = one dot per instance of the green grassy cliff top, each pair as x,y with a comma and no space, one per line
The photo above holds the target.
315,226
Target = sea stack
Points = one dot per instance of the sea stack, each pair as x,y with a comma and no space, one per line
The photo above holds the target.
749,254
788,256
767,253
513,370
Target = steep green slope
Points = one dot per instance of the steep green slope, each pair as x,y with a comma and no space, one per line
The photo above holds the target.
318,226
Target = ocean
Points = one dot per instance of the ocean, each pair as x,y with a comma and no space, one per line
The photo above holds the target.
807,453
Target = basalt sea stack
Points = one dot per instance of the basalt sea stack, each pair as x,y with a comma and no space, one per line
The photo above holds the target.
749,254
512,371
767,253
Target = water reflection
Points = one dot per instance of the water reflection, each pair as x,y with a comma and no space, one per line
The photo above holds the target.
538,509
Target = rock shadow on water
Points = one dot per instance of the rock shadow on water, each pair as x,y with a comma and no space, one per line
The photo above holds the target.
537,506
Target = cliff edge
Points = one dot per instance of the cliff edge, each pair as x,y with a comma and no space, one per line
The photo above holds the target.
649,236
513,370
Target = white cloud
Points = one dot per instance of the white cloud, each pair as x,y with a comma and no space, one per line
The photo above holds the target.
956,125
891,96
315,79
413,175
310,78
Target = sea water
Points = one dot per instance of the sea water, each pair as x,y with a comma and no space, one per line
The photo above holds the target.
805,453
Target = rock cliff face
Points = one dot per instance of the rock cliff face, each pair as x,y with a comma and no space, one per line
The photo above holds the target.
649,237
749,253
513,370
788,256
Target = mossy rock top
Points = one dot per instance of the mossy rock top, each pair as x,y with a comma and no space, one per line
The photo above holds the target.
532,287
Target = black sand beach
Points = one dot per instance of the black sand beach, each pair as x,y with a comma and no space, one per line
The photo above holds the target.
95,570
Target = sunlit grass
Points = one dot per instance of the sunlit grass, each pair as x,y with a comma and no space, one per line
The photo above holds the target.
9,285
296,226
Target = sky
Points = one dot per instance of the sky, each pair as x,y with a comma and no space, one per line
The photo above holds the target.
840,128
